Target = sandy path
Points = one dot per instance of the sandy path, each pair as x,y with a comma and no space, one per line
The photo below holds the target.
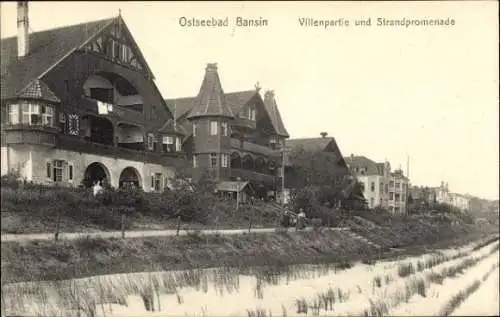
485,301
136,234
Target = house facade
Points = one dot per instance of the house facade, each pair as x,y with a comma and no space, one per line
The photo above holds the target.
375,178
236,136
444,196
398,192
333,163
80,106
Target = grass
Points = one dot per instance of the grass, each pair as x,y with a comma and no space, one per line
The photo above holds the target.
405,269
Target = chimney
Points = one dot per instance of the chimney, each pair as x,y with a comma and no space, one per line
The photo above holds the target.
269,94
22,29
211,67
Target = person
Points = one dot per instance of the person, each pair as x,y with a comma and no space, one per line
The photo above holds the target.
301,217
286,219
97,188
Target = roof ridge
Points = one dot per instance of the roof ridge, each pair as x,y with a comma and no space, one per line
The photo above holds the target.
63,27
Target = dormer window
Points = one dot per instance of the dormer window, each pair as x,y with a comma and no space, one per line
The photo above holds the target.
251,112
168,144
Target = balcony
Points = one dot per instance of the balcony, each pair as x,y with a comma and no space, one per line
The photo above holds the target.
252,176
76,144
253,148
30,127
90,105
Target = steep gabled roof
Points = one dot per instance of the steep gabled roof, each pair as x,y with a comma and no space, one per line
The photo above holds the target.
328,144
180,106
236,100
37,89
210,100
274,114
171,128
309,144
362,161
46,49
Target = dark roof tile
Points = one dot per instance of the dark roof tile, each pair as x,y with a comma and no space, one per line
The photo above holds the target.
309,144
37,89
274,114
45,50
362,161
210,100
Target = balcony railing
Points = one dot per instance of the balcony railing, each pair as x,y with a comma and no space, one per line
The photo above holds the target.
77,144
254,148
90,105
251,175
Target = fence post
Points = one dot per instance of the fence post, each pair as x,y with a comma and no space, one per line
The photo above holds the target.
58,225
123,225
250,225
178,224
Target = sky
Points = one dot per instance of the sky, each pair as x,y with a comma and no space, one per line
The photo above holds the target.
388,93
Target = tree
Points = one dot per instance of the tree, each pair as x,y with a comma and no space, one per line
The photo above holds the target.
319,177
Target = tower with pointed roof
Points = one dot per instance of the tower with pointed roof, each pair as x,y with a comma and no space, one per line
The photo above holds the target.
211,118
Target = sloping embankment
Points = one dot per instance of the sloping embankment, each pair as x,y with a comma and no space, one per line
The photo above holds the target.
47,260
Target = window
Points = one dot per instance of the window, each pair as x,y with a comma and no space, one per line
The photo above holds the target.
391,184
31,114
168,143
151,141
70,172
49,170
372,201
391,196
124,53
178,144
116,49
47,116
250,113
58,171
47,139
156,182
14,114
386,188
397,185
102,94
402,197
224,160
372,187
195,162
223,129
396,197
213,160
195,128
213,127
62,122
381,188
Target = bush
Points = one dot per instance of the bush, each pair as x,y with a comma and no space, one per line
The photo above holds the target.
316,223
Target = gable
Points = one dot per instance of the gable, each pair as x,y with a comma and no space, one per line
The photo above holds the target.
47,48
115,42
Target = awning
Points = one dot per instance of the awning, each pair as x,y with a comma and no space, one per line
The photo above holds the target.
230,186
